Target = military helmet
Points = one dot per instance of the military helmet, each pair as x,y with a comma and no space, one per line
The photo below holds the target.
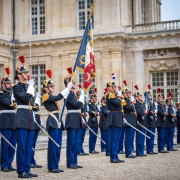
137,93
170,98
178,104
126,89
6,80
111,84
48,82
159,95
67,79
93,96
21,68
148,91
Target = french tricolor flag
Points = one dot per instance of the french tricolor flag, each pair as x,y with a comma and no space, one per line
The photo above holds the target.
113,76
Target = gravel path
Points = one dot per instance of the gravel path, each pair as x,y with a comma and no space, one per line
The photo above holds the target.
161,166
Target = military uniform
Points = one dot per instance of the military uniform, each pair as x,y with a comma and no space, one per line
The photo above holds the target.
53,125
82,132
178,124
140,138
7,118
103,127
93,124
151,125
114,123
37,129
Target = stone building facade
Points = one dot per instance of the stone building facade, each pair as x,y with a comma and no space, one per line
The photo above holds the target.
129,40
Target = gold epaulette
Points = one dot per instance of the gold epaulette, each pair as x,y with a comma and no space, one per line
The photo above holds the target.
111,96
104,104
45,97
100,106
93,112
123,102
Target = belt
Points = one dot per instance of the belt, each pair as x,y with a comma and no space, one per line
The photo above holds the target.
52,115
35,112
23,107
130,113
7,111
115,110
74,111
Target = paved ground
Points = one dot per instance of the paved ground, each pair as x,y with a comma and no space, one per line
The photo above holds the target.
161,166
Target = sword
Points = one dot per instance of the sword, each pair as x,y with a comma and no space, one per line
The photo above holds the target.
7,141
46,132
146,128
93,132
125,121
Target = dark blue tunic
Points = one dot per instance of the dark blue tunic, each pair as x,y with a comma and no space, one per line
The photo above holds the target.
6,119
178,117
115,116
73,120
150,118
129,113
170,119
24,117
160,117
92,114
103,116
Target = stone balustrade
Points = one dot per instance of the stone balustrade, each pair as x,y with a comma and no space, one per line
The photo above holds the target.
157,26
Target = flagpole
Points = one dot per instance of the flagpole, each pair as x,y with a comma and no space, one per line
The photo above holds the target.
91,12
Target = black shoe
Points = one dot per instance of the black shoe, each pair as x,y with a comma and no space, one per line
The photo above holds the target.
103,150
172,149
163,151
94,152
131,156
37,166
32,166
78,166
55,170
165,145
31,174
6,169
73,167
115,161
121,152
152,153
85,154
12,169
23,175
121,161
142,155
61,170
81,154
174,144
133,151
107,154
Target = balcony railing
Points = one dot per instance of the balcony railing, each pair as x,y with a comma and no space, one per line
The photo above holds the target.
157,26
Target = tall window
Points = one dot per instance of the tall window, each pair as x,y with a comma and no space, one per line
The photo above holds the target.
81,80
39,74
37,17
168,82
84,7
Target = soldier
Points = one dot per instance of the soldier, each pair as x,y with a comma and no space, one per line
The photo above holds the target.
73,124
24,122
170,124
178,122
7,118
151,125
115,120
140,138
53,125
161,122
130,116
82,131
103,121
38,120
93,123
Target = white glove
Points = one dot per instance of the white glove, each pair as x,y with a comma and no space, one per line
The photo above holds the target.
42,123
83,121
98,108
30,90
82,92
81,99
132,98
37,101
65,93
87,108
12,97
31,82
119,93
69,86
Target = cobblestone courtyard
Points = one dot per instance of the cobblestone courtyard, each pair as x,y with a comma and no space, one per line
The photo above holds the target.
161,166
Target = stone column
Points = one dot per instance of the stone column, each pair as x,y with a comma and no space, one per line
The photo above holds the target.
55,19
115,12
10,65
105,67
117,66
56,69
139,72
